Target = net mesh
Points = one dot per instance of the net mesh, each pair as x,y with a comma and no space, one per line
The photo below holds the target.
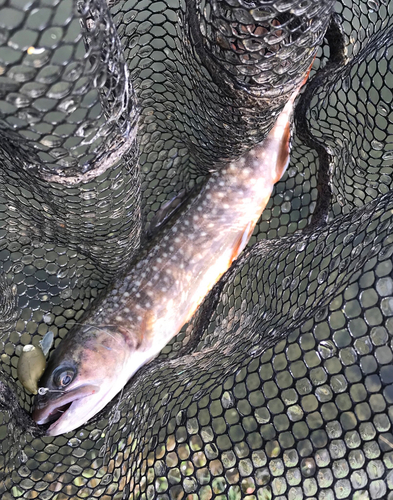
281,386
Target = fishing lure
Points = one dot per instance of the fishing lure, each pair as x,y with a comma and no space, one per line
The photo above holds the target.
31,366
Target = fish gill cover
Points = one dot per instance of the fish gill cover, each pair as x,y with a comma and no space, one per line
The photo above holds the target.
281,386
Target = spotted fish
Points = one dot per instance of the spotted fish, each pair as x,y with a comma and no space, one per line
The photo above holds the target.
148,306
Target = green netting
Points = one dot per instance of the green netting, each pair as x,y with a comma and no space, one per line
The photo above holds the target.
281,386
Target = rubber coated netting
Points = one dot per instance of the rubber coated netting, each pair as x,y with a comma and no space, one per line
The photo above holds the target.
282,384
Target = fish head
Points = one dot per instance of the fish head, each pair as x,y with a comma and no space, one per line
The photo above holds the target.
86,370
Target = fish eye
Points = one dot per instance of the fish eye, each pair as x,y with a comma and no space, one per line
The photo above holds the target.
63,377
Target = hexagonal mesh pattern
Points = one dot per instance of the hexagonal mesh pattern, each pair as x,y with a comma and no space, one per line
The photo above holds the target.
66,102
281,385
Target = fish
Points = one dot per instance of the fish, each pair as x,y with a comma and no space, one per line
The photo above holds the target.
148,306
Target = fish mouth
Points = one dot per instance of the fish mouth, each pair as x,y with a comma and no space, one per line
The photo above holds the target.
51,408
56,413
69,411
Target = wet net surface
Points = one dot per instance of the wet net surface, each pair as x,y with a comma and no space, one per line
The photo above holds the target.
282,384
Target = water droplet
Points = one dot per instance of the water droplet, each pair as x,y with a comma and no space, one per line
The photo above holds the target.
181,417
321,314
51,448
370,122
298,312
319,247
165,418
376,145
308,467
227,400
327,349
74,442
322,276
345,156
348,238
95,435
286,207
165,400
51,141
373,5
363,154
18,268
291,171
383,109
340,199
346,83
66,294
23,457
388,155
294,284
47,318
314,114
68,105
